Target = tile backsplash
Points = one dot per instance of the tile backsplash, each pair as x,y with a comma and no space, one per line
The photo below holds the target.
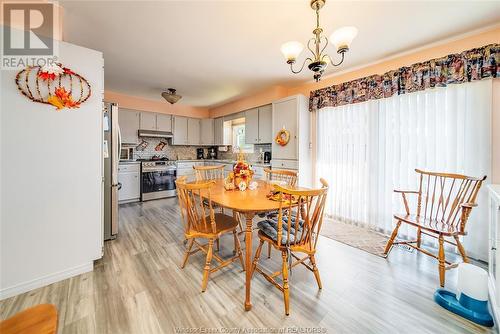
229,155
188,152
170,151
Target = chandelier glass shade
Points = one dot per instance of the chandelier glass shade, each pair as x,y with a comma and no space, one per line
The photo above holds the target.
340,38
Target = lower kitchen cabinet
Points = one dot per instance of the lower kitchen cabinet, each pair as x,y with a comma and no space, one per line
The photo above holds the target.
130,180
259,173
185,168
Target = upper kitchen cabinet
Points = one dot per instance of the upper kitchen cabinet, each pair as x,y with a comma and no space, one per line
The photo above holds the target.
155,122
194,131
258,125
252,126
148,121
129,124
164,122
207,131
266,124
180,130
219,131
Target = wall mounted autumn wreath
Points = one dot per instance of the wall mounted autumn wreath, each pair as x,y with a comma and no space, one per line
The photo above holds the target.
53,84
283,137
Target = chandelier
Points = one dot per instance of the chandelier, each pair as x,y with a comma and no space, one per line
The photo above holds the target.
340,38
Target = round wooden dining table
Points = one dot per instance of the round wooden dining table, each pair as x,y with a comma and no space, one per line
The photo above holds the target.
249,203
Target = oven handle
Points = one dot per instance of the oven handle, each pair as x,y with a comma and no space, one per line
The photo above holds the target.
148,170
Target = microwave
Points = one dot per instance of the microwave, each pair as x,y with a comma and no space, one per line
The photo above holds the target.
127,153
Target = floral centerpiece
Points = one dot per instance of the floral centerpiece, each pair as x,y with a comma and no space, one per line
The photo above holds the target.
242,175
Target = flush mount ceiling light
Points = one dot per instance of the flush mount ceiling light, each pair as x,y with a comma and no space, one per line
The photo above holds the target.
340,38
171,96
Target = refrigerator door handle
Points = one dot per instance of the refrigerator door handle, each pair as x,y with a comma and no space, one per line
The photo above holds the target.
119,141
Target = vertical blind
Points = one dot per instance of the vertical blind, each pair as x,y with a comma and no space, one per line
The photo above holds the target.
366,150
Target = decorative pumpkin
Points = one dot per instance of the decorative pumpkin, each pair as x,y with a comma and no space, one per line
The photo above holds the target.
283,137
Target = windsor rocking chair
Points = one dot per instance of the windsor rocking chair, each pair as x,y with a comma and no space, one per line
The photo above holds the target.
296,230
444,203
201,222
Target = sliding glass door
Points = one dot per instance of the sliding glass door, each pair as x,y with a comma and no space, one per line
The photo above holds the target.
366,150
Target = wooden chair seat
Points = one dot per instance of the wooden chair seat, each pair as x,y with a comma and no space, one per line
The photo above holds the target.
432,225
223,224
306,248
40,319
270,228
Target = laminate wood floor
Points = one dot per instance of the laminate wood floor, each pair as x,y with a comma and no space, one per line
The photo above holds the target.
138,287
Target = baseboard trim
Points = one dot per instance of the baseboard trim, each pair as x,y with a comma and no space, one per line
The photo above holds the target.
45,280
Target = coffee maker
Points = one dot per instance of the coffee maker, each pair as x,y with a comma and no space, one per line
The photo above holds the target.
267,157
200,153
212,153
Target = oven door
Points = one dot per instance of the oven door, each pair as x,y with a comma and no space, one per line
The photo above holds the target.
158,183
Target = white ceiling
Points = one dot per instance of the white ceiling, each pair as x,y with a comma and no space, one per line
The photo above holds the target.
215,51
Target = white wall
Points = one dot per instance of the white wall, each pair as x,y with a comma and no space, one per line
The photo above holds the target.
51,175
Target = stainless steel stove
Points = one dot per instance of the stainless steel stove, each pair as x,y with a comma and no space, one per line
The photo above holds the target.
158,179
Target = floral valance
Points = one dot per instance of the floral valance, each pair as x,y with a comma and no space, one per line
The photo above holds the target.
470,65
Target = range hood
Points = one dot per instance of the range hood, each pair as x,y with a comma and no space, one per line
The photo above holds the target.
156,134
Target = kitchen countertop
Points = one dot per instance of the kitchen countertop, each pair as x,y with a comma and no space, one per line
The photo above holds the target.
257,164
128,162
227,161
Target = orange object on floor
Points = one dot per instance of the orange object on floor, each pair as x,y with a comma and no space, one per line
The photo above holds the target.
40,319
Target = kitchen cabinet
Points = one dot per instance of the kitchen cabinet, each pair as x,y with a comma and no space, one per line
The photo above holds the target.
129,178
180,125
259,173
207,131
252,126
258,125
155,121
194,129
292,113
164,122
185,168
266,124
129,124
285,116
228,168
148,121
222,132
219,131
227,134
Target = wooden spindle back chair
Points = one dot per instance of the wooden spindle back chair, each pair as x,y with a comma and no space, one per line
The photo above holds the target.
295,231
209,172
201,222
288,177
205,173
444,203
